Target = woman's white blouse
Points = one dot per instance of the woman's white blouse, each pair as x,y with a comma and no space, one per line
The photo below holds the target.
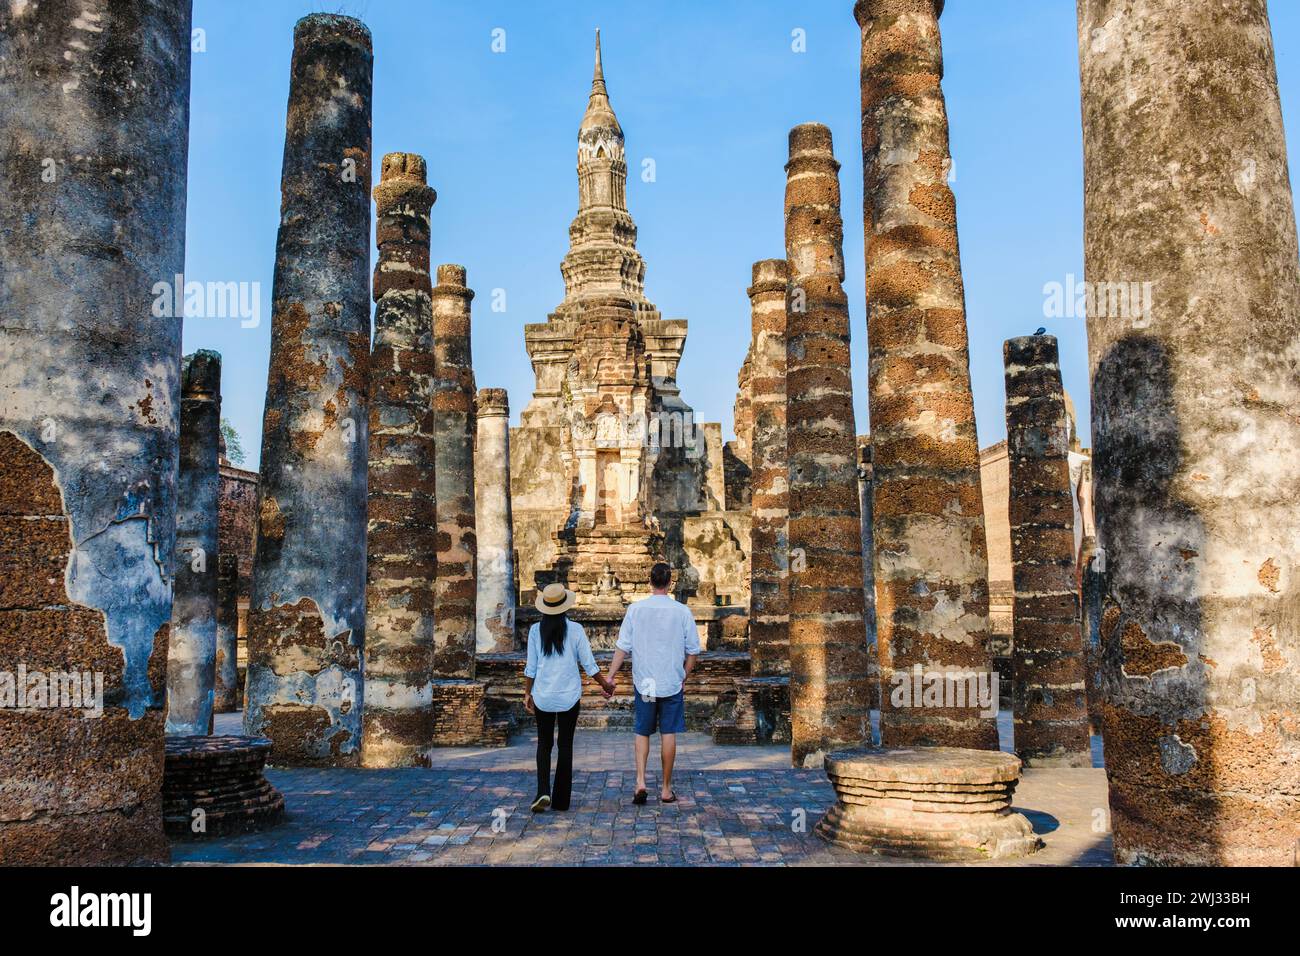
557,682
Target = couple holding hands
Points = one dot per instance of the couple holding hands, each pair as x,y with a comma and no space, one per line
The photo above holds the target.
658,632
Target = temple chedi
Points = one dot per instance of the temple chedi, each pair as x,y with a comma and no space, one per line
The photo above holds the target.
610,471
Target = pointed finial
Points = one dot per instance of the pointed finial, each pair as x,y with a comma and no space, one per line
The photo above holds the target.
598,77
599,112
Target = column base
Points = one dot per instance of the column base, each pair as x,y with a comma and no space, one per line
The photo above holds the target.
215,786
927,803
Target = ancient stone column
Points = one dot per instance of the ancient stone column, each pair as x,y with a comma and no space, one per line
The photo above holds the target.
306,616
1048,695
192,644
769,566
455,591
402,534
931,562
93,214
829,688
865,476
493,526
228,696
1190,251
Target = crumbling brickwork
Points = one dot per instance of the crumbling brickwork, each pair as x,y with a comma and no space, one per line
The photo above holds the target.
455,590
1048,697
402,530
829,685
928,519
769,567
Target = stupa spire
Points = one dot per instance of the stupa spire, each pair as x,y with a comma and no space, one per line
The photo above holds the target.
599,113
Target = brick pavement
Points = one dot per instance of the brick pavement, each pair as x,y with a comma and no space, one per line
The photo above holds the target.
737,806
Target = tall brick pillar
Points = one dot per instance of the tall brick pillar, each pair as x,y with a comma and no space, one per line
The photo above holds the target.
458,705
829,687
307,610
769,566
1194,392
866,476
397,720
932,589
1049,699
493,528
93,214
192,645
228,691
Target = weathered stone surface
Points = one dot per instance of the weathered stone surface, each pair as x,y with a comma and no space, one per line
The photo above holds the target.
931,803
192,640
96,133
455,590
1048,695
1194,429
829,687
769,568
492,521
306,620
931,569
228,693
402,528
214,786
760,713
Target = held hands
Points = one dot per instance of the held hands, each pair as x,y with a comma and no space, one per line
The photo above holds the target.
606,685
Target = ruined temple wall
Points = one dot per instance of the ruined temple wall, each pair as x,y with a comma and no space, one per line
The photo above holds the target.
237,521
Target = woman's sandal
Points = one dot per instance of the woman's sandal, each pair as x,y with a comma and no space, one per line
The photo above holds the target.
672,799
640,797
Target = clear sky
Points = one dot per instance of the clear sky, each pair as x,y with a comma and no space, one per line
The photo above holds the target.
709,92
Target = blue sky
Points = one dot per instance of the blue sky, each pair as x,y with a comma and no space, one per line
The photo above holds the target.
709,92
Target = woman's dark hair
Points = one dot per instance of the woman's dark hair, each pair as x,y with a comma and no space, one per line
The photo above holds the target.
552,630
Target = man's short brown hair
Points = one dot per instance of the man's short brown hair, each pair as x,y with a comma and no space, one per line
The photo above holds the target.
661,575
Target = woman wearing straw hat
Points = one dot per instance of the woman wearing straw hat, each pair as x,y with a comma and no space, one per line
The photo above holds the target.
557,647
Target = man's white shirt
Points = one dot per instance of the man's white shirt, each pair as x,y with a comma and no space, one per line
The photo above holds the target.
659,633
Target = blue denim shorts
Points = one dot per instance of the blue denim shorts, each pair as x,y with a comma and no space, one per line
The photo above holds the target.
667,714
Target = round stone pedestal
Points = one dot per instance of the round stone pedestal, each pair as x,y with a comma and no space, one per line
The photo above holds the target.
213,786
930,803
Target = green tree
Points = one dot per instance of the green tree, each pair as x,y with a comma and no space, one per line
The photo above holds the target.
234,448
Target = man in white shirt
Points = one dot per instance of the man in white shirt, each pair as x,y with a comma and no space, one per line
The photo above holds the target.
660,634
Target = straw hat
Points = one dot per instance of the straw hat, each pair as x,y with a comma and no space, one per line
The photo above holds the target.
555,599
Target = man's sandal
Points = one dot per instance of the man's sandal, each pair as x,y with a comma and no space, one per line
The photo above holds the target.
640,797
672,799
